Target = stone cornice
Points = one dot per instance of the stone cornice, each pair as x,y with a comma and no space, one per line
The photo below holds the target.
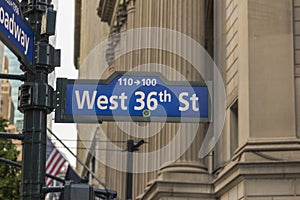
161,188
252,170
106,10
291,144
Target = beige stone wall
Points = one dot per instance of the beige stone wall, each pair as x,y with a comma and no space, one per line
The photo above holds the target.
258,58
266,103
267,189
92,33
297,60
230,55
181,15
232,49
235,193
92,30
271,69
256,50
275,188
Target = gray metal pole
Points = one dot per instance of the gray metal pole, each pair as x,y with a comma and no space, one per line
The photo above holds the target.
130,150
36,101
34,153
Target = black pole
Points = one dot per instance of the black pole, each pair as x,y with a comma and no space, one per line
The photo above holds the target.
131,147
53,189
13,77
36,98
17,164
10,162
130,150
11,136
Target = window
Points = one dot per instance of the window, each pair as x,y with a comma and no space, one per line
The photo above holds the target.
234,136
93,164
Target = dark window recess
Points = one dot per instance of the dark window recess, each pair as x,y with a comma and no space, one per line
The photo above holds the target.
234,127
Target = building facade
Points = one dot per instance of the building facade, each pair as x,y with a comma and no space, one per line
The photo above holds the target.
7,109
254,43
7,105
14,68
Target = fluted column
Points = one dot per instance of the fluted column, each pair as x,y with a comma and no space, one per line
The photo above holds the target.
186,17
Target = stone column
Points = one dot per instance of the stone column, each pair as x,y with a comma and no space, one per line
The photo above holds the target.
187,17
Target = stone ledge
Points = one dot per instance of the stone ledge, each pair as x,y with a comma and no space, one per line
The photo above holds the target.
106,9
255,170
273,144
180,180
177,189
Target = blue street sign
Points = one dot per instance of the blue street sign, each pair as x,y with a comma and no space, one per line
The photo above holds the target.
14,31
137,96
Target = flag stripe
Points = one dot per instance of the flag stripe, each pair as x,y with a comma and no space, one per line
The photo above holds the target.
51,158
55,161
56,166
52,161
56,171
49,180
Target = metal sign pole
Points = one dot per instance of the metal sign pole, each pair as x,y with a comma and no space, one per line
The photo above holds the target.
36,97
130,149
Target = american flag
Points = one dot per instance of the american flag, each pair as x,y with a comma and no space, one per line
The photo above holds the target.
54,161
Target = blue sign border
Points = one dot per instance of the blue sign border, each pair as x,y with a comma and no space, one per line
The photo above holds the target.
61,115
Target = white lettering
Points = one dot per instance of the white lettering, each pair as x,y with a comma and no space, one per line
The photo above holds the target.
140,100
1,15
123,97
11,24
183,101
14,29
17,32
23,39
114,104
102,102
85,98
194,100
152,103
27,44
6,21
